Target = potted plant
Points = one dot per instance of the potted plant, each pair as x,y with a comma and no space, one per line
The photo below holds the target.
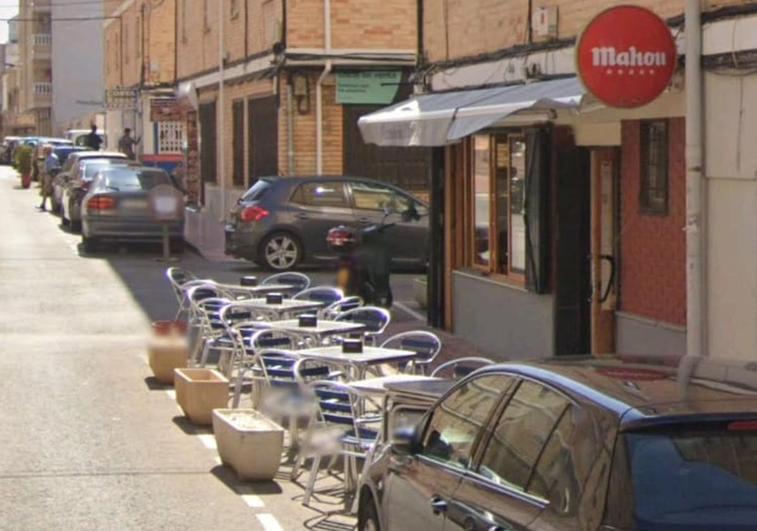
199,392
249,442
168,349
24,156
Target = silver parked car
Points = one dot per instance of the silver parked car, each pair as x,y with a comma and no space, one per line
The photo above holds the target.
116,207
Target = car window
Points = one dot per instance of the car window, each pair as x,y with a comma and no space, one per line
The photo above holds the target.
321,194
124,180
257,190
370,196
697,477
520,435
456,422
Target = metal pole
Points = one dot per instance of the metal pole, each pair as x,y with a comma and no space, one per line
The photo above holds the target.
221,147
695,248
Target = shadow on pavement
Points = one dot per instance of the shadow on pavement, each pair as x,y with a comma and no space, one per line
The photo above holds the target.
153,384
189,428
229,478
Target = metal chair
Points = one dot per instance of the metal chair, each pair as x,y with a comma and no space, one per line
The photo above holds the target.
425,344
331,311
339,407
204,302
177,277
298,281
326,295
461,367
374,319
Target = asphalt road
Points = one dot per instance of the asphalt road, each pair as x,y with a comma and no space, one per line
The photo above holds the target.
87,442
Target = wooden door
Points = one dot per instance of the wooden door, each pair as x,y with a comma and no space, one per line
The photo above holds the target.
603,257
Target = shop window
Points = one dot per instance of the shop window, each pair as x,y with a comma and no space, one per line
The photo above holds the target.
654,168
499,225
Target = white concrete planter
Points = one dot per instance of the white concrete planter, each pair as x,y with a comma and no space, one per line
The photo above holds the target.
248,442
199,392
166,353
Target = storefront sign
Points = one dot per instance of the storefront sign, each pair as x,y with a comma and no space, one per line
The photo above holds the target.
367,88
626,56
122,99
165,110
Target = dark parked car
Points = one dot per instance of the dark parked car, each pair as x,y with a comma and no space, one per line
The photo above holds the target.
65,171
283,221
76,186
7,147
116,207
597,444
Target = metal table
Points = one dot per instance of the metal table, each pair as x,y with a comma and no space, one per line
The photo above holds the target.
380,386
359,362
322,329
287,308
253,292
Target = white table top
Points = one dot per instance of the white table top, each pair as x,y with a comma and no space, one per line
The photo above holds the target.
323,327
369,356
377,386
285,306
259,289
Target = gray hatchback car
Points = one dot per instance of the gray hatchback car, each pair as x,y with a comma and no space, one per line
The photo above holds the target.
281,222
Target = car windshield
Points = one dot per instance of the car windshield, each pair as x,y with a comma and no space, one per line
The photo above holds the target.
126,179
91,169
257,191
693,478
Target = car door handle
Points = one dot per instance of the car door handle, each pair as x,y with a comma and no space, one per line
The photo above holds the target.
438,504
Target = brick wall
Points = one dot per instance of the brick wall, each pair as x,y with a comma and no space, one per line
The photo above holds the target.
385,24
463,28
304,133
653,248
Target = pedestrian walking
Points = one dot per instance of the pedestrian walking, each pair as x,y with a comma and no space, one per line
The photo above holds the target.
126,144
93,140
52,165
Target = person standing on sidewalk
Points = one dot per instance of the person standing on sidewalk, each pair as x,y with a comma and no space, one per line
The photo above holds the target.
52,165
126,144
93,139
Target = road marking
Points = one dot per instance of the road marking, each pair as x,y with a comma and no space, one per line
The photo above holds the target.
410,312
208,440
253,501
171,393
269,522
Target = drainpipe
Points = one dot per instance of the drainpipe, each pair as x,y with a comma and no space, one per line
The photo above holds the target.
319,88
290,131
221,136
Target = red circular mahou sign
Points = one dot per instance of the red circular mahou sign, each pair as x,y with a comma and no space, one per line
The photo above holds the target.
626,56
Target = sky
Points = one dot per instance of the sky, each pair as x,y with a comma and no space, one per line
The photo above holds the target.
6,12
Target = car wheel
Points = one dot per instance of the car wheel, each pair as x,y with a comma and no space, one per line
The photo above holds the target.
280,251
367,517
89,244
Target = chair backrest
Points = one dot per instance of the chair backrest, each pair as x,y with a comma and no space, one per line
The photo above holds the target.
425,344
283,368
337,403
335,308
271,339
461,367
374,319
326,295
298,281
177,277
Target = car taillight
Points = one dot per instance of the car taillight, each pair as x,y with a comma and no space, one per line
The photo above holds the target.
253,213
743,425
101,202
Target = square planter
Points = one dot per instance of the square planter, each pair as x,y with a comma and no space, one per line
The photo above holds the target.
166,353
199,392
248,442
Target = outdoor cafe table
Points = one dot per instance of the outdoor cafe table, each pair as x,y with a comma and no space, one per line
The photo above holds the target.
359,362
254,291
284,309
323,328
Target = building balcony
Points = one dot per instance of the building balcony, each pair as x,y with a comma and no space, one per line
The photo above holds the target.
41,45
42,94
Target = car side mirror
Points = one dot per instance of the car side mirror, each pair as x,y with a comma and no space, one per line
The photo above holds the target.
405,441
411,214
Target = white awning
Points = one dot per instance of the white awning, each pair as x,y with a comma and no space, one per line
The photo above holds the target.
440,119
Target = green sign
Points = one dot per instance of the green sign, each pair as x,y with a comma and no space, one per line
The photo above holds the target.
359,88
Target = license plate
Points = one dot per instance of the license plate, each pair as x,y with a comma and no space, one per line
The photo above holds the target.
133,203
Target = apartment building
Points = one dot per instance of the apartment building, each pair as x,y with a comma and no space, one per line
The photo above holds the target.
35,65
14,122
564,220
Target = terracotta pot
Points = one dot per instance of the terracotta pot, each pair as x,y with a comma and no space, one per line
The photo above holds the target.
199,392
26,180
248,442
165,353
162,328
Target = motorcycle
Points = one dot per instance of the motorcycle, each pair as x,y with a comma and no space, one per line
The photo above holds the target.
364,259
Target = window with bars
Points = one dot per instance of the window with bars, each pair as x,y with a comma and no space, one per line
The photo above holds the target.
237,142
170,137
653,193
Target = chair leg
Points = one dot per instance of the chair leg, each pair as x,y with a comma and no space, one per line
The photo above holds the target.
311,480
205,353
238,388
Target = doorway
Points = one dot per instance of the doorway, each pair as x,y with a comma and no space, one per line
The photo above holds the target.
603,261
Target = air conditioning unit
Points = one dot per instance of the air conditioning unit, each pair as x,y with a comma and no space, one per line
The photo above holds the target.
544,23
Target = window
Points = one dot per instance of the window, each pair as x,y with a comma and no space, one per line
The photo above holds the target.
170,137
456,422
653,197
520,435
498,209
321,194
237,142
207,117
369,196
